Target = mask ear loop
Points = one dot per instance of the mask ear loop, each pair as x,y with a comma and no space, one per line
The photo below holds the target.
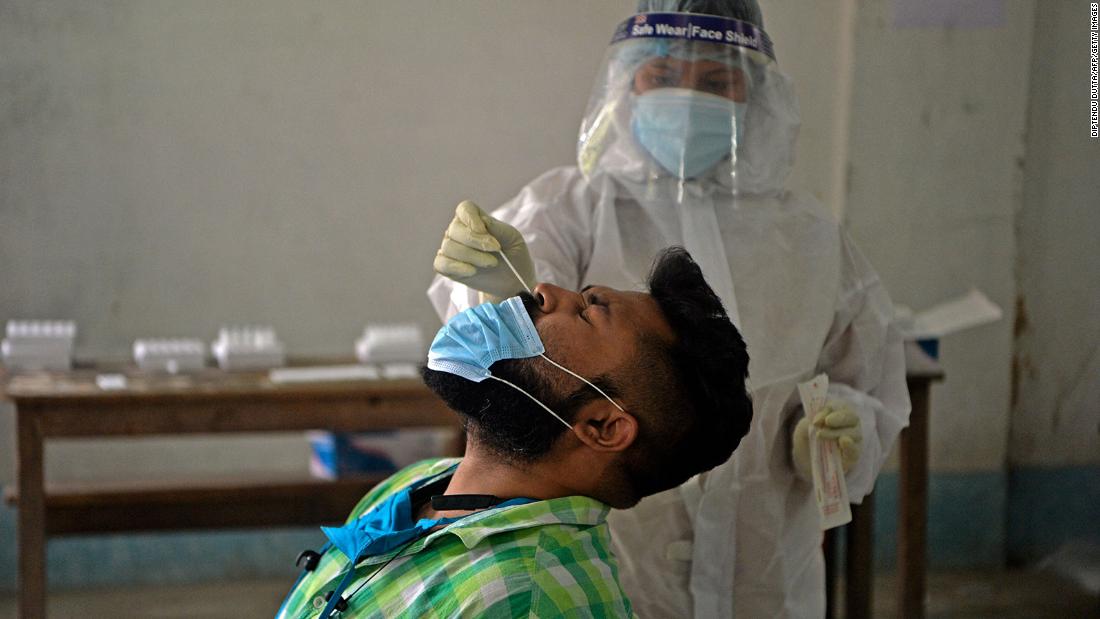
585,380
552,362
535,400
516,273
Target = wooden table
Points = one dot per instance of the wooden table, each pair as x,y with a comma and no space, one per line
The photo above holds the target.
70,405
920,372
52,405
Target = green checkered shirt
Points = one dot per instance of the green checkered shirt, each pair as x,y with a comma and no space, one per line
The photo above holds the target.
543,559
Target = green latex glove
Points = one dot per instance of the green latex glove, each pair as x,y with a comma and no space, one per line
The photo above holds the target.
836,421
468,254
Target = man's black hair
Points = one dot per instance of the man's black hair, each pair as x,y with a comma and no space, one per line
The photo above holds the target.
689,396
698,419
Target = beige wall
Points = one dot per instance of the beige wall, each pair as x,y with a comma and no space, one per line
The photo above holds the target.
174,166
1056,415
937,141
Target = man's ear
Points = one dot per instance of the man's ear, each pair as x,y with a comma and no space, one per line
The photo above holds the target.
603,427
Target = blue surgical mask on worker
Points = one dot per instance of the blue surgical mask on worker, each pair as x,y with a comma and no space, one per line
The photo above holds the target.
685,130
472,341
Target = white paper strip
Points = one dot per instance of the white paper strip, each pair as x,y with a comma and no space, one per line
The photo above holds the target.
830,489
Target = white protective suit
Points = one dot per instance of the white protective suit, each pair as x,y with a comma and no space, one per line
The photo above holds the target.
744,539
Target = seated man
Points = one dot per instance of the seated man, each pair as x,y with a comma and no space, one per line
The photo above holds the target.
517,527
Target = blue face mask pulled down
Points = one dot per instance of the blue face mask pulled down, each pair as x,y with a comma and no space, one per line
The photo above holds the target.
685,130
477,338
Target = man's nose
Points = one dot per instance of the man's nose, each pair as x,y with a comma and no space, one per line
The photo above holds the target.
552,298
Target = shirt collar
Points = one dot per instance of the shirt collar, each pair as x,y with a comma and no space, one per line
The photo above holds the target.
578,511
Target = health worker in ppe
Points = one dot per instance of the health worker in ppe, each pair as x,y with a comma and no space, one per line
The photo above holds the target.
688,140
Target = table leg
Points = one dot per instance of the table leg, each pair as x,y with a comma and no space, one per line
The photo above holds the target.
859,567
829,549
32,517
912,517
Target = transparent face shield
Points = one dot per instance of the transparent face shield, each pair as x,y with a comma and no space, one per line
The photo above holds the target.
687,98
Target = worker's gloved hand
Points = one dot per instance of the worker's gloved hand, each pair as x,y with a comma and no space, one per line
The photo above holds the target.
837,421
468,254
